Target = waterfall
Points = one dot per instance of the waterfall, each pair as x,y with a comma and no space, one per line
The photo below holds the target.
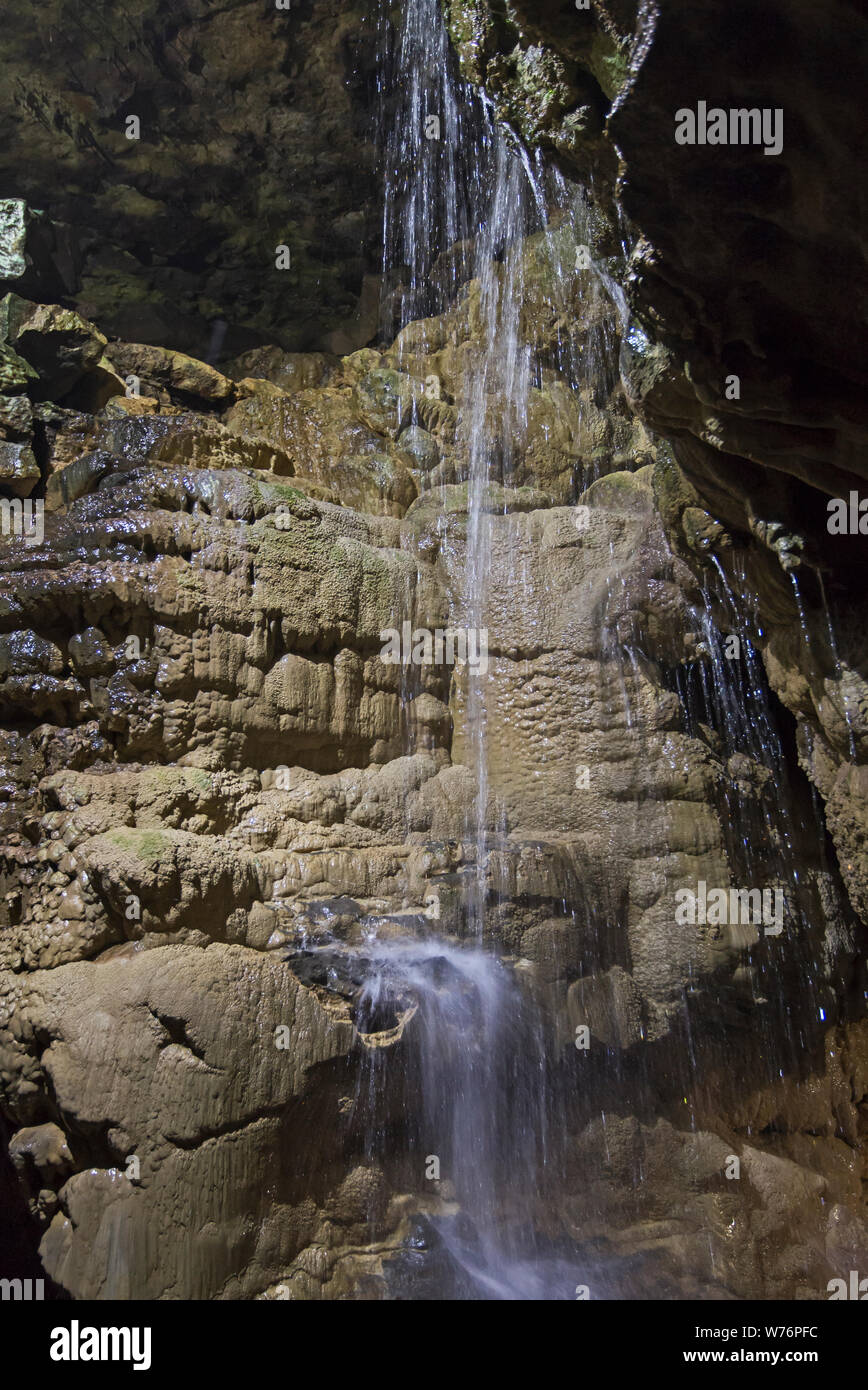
502,378
434,841
428,168
474,1125
461,197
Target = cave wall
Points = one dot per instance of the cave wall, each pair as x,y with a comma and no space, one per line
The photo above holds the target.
256,129
744,267
209,772
254,527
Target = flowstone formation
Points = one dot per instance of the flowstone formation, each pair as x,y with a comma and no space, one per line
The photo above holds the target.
222,803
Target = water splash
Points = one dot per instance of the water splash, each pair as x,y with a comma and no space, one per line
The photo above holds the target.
475,1086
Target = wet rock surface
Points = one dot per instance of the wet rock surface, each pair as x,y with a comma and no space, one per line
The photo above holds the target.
219,798
742,276
239,843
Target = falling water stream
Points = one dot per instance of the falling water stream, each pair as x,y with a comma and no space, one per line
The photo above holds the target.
460,199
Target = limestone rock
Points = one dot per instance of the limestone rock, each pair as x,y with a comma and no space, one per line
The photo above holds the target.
19,471
173,1022
174,244
173,370
610,1006
13,238
58,343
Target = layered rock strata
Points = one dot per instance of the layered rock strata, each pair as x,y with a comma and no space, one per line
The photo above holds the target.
219,793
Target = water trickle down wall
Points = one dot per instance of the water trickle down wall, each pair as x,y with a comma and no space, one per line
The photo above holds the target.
621,761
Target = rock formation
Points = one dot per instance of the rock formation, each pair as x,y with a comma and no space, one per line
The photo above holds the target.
222,801
167,153
744,341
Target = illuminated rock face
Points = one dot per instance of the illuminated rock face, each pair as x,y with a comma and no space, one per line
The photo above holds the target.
742,342
232,788
235,827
